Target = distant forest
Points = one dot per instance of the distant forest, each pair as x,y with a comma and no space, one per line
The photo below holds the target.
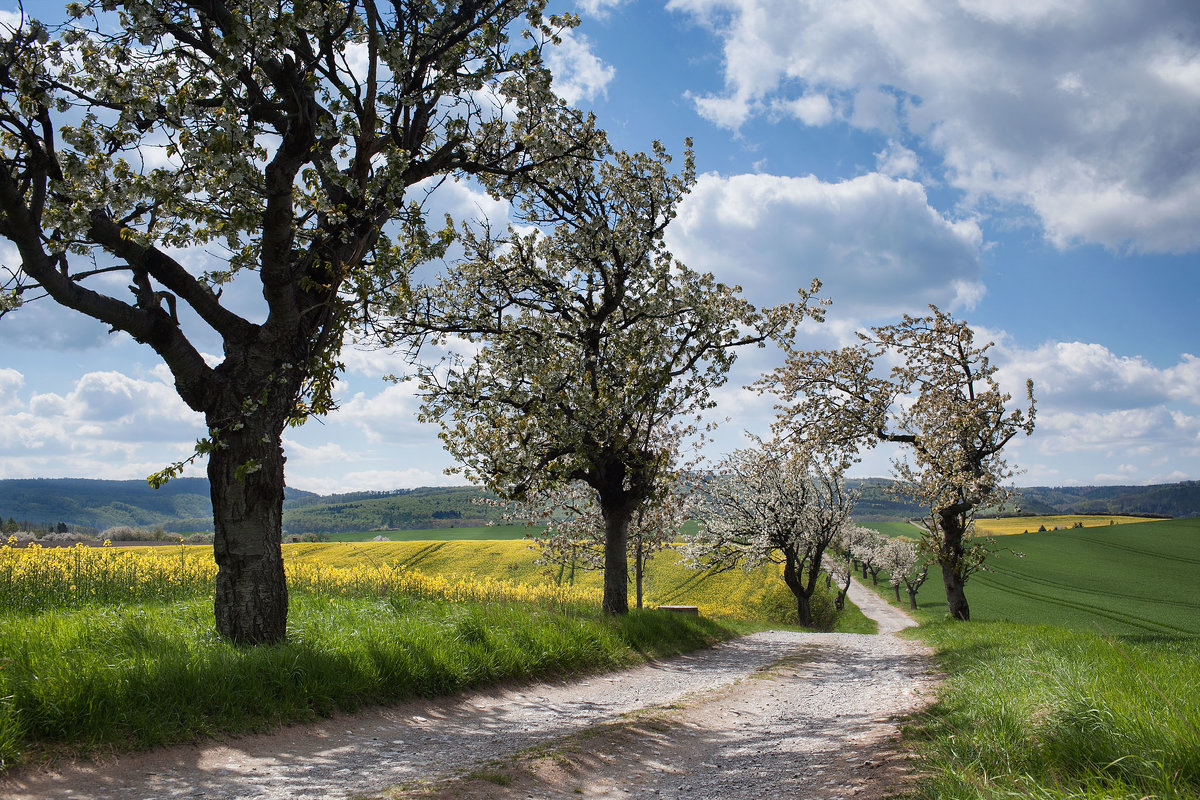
183,505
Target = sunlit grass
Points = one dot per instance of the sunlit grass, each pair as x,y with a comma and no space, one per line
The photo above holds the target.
1043,712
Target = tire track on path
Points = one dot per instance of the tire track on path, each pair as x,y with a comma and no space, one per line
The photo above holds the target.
821,707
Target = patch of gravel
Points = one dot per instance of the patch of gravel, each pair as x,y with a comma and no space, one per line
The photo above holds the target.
811,723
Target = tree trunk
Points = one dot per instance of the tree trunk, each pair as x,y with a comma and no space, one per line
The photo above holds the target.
245,473
638,570
793,577
616,563
956,598
912,599
896,586
952,524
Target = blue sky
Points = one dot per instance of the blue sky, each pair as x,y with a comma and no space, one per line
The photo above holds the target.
1032,166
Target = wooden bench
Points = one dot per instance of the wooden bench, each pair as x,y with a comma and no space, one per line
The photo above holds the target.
695,612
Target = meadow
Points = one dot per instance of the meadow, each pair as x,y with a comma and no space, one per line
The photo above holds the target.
111,648
1102,704
1111,579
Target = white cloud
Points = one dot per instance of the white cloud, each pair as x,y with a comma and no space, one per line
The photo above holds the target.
1089,376
897,161
109,425
1089,114
579,74
875,242
389,416
11,382
811,108
598,9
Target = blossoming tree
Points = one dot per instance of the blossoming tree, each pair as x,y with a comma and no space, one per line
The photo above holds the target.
940,400
590,348
286,140
773,504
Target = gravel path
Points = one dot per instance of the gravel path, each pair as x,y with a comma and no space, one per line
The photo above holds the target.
810,725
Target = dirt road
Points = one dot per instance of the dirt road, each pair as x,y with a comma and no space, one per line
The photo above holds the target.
775,714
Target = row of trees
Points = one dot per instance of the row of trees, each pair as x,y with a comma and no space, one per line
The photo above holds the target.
296,143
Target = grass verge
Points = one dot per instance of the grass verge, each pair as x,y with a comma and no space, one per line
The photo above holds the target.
1056,713
1043,712
134,676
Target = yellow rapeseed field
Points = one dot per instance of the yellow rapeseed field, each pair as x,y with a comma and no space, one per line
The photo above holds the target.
1006,526
32,578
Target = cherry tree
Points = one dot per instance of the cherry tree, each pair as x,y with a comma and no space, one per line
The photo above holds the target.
573,536
769,504
586,351
906,564
940,400
287,142
867,550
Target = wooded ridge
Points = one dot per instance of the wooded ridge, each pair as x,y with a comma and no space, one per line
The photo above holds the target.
183,504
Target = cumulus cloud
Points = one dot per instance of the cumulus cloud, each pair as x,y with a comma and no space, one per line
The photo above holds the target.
599,9
579,75
1107,417
874,241
1089,114
11,382
389,416
109,425
1084,375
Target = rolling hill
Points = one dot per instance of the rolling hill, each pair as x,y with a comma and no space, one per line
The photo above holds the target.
183,505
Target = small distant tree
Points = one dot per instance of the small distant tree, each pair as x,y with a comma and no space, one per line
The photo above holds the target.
907,565
939,400
768,504
838,572
590,350
868,550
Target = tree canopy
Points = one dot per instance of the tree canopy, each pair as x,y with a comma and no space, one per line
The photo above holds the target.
290,141
589,350
939,399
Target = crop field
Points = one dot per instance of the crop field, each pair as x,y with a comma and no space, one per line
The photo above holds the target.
1008,526
759,595
894,529
1120,579
502,532
735,594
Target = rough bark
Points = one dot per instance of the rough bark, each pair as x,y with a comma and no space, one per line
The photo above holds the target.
956,598
793,576
251,599
246,478
616,564
951,559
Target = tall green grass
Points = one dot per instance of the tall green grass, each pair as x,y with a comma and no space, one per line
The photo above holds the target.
1043,712
144,675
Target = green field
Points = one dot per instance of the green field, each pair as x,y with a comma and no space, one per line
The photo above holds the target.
1120,579
485,532
894,529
